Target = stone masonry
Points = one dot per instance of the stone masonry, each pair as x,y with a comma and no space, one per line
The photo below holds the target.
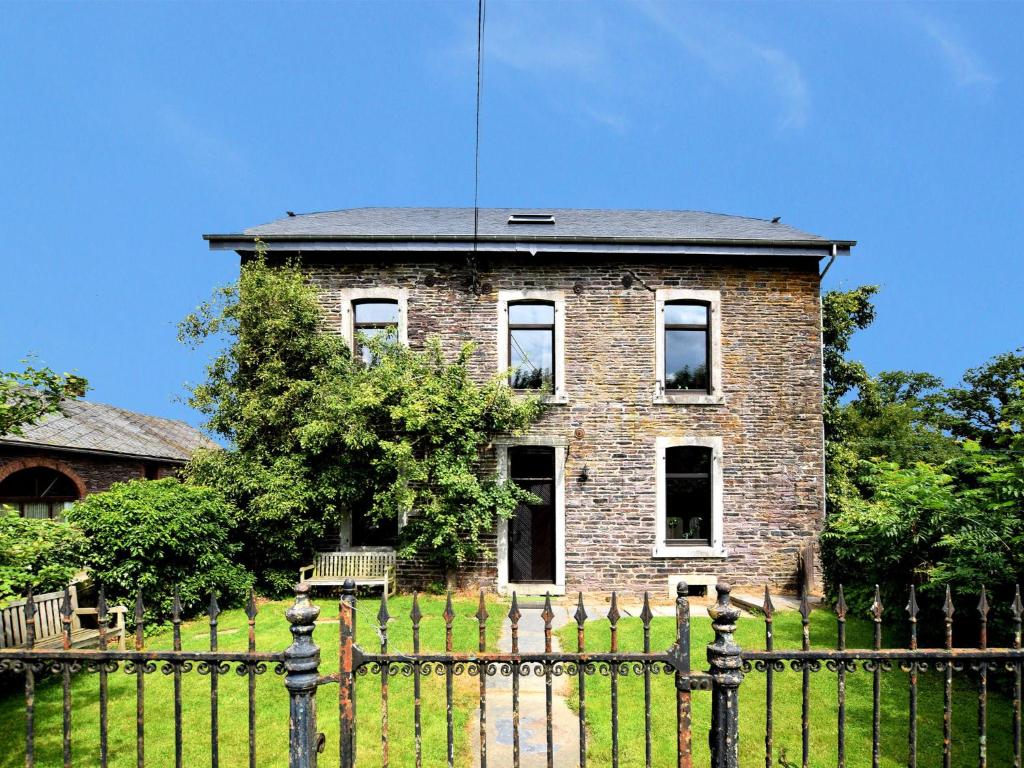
770,419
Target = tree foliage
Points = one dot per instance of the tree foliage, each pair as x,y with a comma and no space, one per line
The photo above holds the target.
926,481
314,433
43,554
28,395
158,535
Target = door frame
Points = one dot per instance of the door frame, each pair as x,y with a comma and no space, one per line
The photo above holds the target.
561,446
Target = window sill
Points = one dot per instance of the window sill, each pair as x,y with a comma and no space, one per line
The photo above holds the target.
533,589
547,399
689,398
706,552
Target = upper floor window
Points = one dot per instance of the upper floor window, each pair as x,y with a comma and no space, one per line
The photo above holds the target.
372,318
688,357
531,345
687,347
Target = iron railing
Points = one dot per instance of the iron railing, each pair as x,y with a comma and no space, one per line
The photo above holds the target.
549,664
67,661
727,667
913,660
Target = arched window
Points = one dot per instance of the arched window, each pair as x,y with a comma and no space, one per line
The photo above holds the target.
38,492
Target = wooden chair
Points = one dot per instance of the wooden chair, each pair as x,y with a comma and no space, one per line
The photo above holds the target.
366,567
49,628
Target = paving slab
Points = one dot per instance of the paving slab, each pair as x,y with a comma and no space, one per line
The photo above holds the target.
532,715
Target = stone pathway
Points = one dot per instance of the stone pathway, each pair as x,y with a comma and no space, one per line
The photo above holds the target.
532,726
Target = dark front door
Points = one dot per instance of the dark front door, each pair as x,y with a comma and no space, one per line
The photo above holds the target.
531,531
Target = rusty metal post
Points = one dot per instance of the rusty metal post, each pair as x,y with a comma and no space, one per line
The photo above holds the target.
727,674
302,662
346,673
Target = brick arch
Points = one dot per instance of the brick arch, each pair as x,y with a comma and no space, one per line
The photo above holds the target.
58,466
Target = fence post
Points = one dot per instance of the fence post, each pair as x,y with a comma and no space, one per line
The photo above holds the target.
302,661
727,674
346,673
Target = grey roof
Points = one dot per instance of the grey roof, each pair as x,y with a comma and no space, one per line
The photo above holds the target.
585,225
98,428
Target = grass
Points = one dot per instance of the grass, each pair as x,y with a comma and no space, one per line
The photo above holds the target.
272,700
271,697
787,703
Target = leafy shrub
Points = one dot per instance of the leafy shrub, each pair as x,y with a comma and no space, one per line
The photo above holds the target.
45,554
959,525
156,535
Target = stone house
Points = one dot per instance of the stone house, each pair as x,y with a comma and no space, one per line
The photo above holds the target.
86,448
680,353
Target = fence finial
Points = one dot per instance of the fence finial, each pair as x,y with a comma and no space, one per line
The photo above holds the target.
727,674
912,608
613,611
302,662
768,606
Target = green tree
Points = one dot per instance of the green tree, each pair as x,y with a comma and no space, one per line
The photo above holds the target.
42,554
28,395
313,433
158,535
981,409
843,313
898,416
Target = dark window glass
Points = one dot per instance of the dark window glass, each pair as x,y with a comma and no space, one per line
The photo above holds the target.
531,345
687,363
373,318
688,496
38,492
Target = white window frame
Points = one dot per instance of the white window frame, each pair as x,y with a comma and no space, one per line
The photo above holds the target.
557,298
677,396
716,548
348,298
561,446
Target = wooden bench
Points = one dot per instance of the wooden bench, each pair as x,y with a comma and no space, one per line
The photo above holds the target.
366,567
49,628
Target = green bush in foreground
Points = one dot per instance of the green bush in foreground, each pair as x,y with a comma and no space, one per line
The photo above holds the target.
156,535
43,554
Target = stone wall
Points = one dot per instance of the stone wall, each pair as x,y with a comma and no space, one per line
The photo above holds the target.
90,473
769,421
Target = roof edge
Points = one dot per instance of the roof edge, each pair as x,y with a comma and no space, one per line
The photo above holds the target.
802,243
90,452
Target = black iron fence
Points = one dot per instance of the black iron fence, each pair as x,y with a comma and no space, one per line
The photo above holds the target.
727,665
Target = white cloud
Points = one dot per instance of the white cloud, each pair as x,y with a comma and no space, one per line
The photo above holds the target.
197,144
736,59
966,67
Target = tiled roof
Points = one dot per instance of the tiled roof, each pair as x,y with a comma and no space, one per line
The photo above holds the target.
569,224
95,427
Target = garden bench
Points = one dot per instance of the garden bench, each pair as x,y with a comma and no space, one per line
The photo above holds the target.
49,628
366,567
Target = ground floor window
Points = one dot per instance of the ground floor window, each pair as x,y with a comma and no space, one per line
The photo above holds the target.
689,497
688,517
38,492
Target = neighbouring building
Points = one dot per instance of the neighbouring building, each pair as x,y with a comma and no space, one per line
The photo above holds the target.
86,448
680,352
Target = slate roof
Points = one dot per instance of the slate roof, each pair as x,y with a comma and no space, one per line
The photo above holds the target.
98,428
593,225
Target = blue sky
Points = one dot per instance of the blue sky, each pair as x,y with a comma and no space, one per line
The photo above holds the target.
131,129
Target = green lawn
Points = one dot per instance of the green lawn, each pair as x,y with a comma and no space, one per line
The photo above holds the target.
272,699
787,703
